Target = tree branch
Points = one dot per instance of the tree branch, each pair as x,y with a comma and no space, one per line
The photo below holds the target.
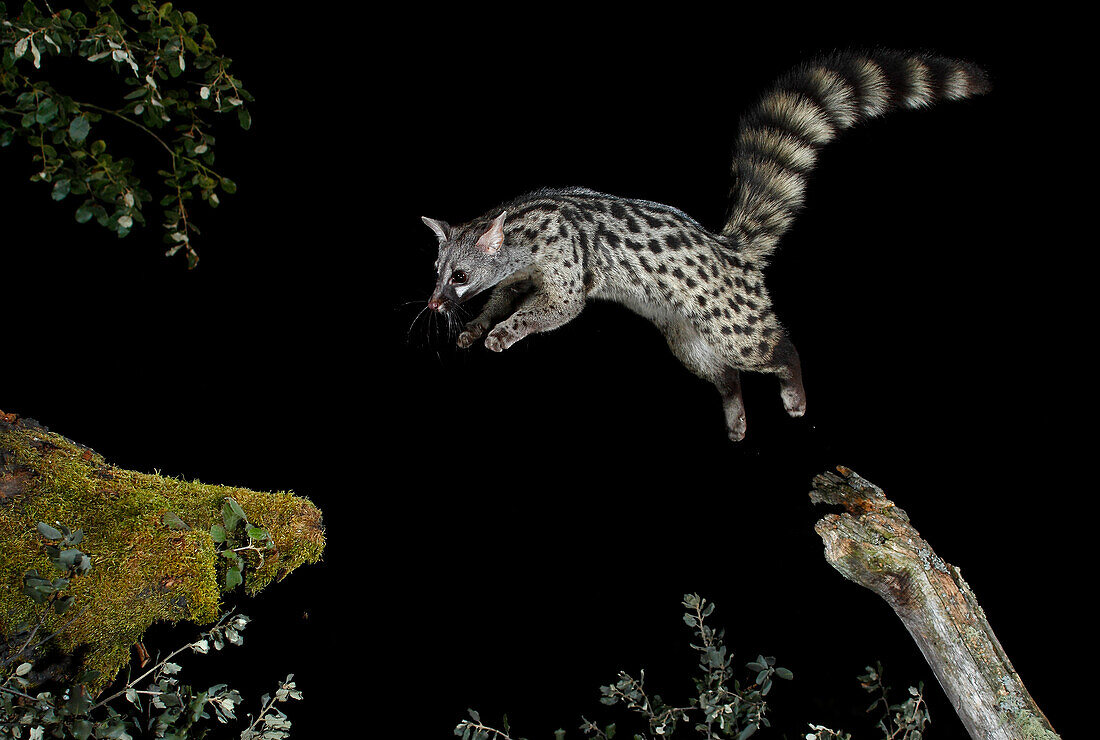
873,544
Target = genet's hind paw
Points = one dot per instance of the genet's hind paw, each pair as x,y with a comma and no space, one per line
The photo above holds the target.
736,428
794,401
795,407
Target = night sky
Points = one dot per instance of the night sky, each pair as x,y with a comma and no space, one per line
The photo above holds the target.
508,531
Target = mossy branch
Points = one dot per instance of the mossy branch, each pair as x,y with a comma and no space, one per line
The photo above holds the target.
149,537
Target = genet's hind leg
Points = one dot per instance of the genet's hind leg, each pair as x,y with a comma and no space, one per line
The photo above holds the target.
699,357
729,385
785,364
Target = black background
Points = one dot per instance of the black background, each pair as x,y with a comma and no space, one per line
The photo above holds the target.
508,531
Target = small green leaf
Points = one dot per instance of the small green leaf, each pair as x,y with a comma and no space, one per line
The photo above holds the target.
217,533
61,189
88,676
232,578
82,729
79,128
48,532
172,521
244,117
46,111
70,558
62,605
232,514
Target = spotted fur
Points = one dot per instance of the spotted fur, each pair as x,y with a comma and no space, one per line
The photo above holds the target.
545,254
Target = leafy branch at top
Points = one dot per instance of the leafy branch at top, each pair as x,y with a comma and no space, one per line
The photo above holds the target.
174,81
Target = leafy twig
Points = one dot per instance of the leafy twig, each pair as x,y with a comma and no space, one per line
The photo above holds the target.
162,55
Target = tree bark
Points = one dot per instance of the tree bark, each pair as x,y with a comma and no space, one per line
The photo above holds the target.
874,545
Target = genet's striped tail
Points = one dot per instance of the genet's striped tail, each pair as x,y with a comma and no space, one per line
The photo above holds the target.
780,136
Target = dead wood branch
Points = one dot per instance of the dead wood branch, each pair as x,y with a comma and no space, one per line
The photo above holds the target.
874,545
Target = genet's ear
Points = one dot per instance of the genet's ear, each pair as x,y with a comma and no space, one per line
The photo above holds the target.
442,229
492,240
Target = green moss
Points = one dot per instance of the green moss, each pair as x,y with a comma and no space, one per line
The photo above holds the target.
142,570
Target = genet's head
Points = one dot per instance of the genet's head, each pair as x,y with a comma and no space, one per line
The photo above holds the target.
469,260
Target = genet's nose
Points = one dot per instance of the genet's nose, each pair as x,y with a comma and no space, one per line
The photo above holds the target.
436,303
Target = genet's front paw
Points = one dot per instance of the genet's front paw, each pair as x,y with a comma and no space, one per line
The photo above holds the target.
501,338
470,335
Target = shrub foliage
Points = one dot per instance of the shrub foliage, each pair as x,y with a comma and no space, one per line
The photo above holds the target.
74,84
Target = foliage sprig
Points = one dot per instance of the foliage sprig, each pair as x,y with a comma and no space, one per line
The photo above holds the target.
237,540
723,708
171,83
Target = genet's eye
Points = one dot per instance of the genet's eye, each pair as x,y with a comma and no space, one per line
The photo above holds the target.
459,277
